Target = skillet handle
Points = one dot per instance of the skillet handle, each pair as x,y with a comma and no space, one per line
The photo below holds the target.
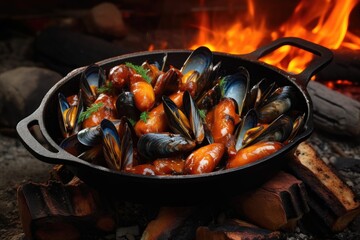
324,54
42,150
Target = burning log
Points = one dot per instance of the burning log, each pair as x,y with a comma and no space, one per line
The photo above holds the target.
330,198
234,229
58,211
178,222
277,204
168,219
334,112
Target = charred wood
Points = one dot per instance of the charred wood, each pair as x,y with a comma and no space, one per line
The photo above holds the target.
277,204
345,65
58,211
334,112
330,198
167,220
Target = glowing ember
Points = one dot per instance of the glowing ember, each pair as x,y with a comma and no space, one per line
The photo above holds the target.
325,23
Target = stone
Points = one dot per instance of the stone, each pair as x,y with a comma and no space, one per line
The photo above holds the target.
21,91
105,19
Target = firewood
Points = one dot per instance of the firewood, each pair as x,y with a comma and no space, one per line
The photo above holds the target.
329,196
345,65
58,211
167,220
277,204
234,229
334,112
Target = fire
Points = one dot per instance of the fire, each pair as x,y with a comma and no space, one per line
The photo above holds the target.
324,22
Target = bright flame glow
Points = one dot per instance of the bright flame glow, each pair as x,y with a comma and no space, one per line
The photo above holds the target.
324,22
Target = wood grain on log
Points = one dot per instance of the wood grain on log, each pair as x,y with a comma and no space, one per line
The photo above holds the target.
334,112
58,211
278,203
329,196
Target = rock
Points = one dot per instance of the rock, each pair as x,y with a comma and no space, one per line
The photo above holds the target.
21,91
105,19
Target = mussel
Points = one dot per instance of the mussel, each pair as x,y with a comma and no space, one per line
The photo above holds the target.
236,86
196,71
190,124
69,114
117,146
160,145
91,79
279,101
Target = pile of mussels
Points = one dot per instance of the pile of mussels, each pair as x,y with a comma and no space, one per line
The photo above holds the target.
192,120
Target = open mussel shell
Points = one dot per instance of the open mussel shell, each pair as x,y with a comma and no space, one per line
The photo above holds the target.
64,120
117,144
160,145
193,115
236,86
111,144
279,101
93,136
68,115
91,79
199,60
176,119
197,68
90,136
127,144
279,130
299,123
260,91
249,121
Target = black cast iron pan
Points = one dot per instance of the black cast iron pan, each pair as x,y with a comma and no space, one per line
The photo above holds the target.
184,188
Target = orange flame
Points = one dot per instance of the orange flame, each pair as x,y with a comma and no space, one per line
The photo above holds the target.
324,22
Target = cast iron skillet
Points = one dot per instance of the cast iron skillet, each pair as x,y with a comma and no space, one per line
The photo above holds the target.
185,188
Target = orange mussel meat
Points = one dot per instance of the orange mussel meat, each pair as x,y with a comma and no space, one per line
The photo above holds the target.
157,120
222,120
253,153
204,159
107,110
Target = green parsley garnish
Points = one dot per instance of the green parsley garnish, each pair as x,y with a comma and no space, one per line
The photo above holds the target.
90,110
107,88
222,86
140,70
202,113
144,116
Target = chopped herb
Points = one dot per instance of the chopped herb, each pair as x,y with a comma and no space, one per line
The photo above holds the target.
90,110
202,113
106,88
144,116
132,121
222,86
140,70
